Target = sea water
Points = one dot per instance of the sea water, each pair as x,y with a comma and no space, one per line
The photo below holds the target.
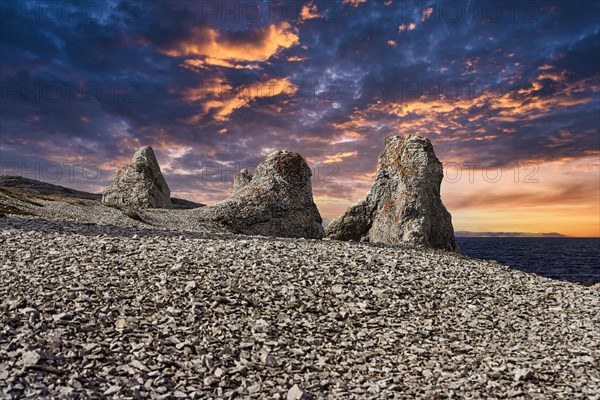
571,259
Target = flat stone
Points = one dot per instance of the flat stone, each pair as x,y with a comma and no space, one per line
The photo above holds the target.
297,393
30,358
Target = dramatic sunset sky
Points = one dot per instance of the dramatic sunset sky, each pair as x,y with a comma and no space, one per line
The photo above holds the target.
508,92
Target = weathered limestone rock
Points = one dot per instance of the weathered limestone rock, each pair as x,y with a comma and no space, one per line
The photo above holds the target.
139,184
404,203
276,201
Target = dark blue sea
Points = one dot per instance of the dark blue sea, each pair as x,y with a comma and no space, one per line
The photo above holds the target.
569,259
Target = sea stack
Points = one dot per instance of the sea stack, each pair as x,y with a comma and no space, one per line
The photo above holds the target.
276,200
140,184
404,205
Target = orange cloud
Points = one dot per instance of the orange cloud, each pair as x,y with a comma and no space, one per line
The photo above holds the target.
224,106
409,27
309,11
211,87
196,64
441,115
296,59
339,157
260,45
554,76
527,104
426,14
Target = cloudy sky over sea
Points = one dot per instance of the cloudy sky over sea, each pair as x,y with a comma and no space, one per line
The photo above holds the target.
508,92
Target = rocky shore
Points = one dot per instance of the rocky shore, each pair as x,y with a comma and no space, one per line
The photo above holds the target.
120,308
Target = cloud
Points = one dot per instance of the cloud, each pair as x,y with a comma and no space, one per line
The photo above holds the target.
231,99
309,11
354,3
258,45
426,14
339,157
412,25
404,27
296,59
197,64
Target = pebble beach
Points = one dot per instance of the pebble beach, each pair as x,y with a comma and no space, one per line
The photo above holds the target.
94,304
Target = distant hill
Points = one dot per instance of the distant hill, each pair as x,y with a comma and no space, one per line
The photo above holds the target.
184,204
44,188
36,187
506,234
